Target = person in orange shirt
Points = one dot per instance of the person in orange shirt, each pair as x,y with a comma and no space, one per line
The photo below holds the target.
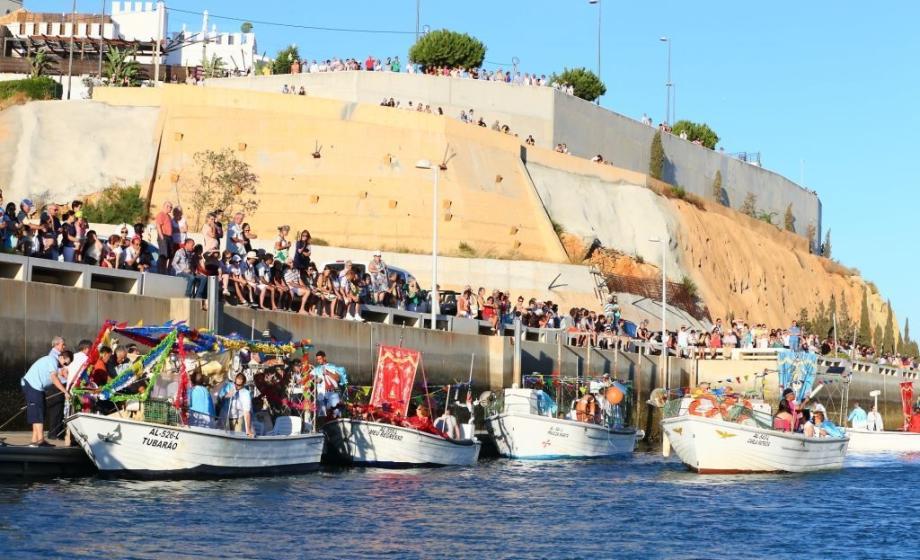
100,372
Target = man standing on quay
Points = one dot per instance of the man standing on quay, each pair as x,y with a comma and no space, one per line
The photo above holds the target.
44,373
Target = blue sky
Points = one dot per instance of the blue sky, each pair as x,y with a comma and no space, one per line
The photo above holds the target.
831,84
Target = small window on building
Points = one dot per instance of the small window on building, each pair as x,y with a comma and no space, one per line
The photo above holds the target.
229,39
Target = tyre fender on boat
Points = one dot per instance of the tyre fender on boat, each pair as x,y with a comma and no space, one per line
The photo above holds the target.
697,402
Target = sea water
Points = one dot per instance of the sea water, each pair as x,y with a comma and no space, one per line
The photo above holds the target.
644,506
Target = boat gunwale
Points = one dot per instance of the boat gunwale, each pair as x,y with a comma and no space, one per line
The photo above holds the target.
211,432
793,436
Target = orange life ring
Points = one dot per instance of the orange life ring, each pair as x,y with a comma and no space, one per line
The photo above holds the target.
695,405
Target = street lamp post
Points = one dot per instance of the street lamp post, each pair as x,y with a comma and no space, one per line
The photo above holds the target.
598,2
668,84
435,303
664,305
73,30
418,17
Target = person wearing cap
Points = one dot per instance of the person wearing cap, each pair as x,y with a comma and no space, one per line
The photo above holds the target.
48,249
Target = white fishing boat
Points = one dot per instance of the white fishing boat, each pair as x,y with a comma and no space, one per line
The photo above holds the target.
866,441
358,442
713,445
124,447
523,429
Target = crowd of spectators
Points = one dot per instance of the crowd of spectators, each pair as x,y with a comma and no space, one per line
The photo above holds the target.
393,64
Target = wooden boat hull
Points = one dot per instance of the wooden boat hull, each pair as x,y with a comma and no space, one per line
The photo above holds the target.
711,446
373,444
864,441
530,436
137,449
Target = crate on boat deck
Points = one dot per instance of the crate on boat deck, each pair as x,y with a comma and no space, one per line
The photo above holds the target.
160,411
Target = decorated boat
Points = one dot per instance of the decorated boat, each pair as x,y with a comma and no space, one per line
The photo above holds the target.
381,434
126,431
524,425
728,434
906,440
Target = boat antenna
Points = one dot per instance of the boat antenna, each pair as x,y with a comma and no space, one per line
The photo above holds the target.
421,363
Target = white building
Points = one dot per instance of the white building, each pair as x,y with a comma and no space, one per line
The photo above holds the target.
9,6
128,23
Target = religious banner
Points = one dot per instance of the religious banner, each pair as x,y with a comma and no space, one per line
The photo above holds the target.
797,371
907,399
394,378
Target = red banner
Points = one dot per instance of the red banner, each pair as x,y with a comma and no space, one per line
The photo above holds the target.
907,400
394,378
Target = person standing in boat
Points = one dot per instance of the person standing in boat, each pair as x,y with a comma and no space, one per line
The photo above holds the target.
858,419
238,407
326,379
875,421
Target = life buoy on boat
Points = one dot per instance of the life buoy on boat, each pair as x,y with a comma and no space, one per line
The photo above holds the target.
697,402
614,395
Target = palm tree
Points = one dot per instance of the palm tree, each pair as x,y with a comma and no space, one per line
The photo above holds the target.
40,63
213,68
121,68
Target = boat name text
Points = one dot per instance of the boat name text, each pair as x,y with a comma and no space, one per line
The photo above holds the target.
388,433
760,439
556,431
162,439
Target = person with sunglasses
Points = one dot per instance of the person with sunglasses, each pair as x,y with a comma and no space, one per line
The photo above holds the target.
238,406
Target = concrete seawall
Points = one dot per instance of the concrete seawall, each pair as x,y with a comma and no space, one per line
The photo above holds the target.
34,312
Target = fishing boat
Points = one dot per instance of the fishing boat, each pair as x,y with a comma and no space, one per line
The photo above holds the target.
366,443
125,447
886,441
381,434
730,438
523,424
126,430
866,441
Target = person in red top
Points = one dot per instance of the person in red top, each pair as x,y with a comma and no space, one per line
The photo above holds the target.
100,371
369,63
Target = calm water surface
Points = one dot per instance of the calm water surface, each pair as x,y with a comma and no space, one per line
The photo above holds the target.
643,507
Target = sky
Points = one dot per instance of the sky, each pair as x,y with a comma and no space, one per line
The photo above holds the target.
826,92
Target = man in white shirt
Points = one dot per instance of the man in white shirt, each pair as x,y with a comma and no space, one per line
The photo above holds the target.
326,381
240,406
874,420
683,341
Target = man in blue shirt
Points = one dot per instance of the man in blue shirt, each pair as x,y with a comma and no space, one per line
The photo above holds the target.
44,373
794,333
858,418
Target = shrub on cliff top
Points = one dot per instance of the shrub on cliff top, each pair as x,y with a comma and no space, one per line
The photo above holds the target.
34,88
448,48
585,83
696,131
117,205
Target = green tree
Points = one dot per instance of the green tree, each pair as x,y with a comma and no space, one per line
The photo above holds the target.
790,219
810,233
877,337
448,48
717,193
656,157
40,63
121,67
906,337
749,206
246,27
844,321
888,336
865,333
586,84
117,205
826,248
284,60
696,131
224,181
213,68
